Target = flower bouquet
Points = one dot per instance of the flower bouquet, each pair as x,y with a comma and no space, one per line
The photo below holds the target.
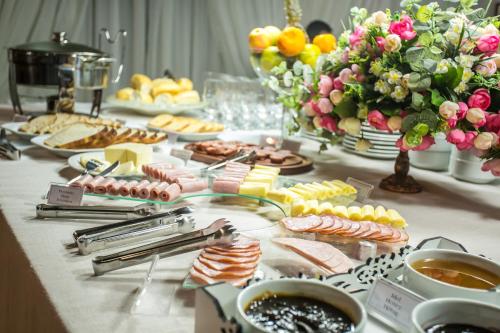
420,71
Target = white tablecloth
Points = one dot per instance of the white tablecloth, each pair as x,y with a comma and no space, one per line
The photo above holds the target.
46,287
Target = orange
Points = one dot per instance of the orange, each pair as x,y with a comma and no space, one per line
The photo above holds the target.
258,40
326,42
291,41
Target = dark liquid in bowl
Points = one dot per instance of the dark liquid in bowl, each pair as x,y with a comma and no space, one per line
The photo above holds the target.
458,328
285,313
457,273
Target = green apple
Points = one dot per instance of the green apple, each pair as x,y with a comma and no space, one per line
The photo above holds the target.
270,58
310,54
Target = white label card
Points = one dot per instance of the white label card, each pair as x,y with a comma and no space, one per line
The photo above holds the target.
392,304
183,154
364,189
61,194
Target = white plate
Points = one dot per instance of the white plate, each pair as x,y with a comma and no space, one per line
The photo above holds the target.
153,109
74,161
388,147
14,128
372,155
374,150
387,144
39,141
189,136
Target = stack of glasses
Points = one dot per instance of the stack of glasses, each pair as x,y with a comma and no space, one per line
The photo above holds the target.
241,103
383,143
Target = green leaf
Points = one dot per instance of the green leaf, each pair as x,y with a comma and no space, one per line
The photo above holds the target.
417,100
413,138
409,122
426,38
424,14
429,118
421,128
346,108
435,50
436,98
414,54
430,65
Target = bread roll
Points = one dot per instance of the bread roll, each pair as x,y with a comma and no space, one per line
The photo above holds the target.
145,98
125,94
185,84
187,97
138,79
166,88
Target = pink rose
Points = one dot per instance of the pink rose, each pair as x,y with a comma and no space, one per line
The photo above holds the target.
328,123
452,122
488,44
486,68
380,43
476,117
462,110
378,120
357,36
360,77
493,166
403,28
325,85
311,108
480,99
356,69
468,142
427,141
345,75
455,136
344,58
338,84
493,122
401,145
324,105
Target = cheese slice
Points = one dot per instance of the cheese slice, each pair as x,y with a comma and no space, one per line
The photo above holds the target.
136,153
256,189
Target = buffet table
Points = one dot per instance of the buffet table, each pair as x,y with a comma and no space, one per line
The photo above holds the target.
47,288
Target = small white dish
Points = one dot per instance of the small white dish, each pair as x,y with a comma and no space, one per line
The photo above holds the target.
153,109
13,127
299,287
441,311
74,162
432,288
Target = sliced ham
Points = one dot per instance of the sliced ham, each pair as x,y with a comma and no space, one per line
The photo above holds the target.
223,186
144,192
323,254
102,187
213,273
230,253
241,242
170,193
188,186
226,259
221,266
114,188
80,182
155,192
230,179
204,280
90,186
326,222
134,190
302,223
125,188
337,224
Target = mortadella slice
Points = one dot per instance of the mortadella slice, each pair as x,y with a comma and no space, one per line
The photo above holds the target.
114,189
202,268
170,193
102,187
125,188
144,192
155,192
302,223
80,182
134,190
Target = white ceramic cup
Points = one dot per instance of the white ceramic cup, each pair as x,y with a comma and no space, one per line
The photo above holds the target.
465,166
432,288
298,287
437,157
454,311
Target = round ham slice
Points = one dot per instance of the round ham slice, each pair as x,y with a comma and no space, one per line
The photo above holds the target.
102,187
326,222
337,225
170,193
207,271
125,188
134,190
80,182
114,188
155,192
188,186
363,228
221,266
303,223
385,233
227,259
354,226
241,242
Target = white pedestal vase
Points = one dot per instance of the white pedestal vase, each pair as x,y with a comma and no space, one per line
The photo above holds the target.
437,157
467,167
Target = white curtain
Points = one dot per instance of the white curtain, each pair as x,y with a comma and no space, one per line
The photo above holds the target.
188,37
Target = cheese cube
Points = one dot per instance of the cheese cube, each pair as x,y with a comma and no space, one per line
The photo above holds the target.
354,213
312,207
290,194
325,208
340,211
298,207
303,193
381,215
336,190
368,213
260,179
279,196
256,189
137,153
396,219
264,167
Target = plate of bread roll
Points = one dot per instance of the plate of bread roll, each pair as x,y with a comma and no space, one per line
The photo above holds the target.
156,96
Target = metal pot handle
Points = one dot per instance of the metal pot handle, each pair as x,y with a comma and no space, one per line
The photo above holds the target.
121,33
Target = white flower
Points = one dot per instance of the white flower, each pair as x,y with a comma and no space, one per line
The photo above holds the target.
394,123
466,60
399,93
485,140
456,25
442,66
487,68
392,43
467,75
448,109
288,79
351,125
376,67
382,87
404,80
452,37
379,18
297,67
336,96
307,74
394,76
362,145
490,29
462,87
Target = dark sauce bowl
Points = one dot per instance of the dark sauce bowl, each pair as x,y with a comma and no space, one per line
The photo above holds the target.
313,289
462,312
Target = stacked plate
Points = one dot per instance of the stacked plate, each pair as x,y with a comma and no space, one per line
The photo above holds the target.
383,143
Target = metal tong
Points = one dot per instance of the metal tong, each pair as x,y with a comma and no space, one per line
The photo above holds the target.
218,233
240,156
7,149
94,212
91,242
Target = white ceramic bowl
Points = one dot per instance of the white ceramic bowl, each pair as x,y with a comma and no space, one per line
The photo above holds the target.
454,311
431,288
465,166
299,287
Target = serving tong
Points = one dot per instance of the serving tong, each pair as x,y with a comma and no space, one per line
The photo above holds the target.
7,149
240,156
95,212
217,233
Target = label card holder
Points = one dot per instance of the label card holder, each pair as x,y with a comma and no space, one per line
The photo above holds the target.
364,189
62,194
183,154
392,304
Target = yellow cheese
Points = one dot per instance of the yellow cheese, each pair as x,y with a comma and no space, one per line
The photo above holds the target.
319,193
329,192
346,188
263,172
137,153
336,190
381,215
290,194
298,207
257,189
125,169
313,192
396,219
279,196
264,167
354,213
368,213
313,206
325,208
340,211
260,179
303,193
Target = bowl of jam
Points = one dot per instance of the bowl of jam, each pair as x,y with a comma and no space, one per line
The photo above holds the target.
436,273
298,305
455,315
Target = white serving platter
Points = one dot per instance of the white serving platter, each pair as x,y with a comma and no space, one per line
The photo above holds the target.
13,127
153,109
40,141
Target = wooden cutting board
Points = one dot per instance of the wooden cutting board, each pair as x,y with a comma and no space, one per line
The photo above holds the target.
290,166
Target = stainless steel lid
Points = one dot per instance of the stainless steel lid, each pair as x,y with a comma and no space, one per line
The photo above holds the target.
50,52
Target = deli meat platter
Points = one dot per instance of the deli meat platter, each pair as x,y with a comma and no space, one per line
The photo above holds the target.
216,150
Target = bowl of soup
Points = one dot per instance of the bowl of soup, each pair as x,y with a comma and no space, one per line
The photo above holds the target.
298,305
446,273
455,315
